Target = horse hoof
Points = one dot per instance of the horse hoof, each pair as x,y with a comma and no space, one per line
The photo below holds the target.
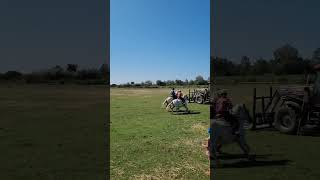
251,157
219,154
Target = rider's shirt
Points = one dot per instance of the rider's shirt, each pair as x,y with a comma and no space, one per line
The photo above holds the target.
179,95
172,94
222,106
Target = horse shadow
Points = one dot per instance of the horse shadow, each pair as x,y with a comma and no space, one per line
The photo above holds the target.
181,112
226,156
304,131
259,161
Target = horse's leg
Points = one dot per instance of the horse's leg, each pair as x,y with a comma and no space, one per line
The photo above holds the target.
244,146
219,146
168,108
163,104
172,106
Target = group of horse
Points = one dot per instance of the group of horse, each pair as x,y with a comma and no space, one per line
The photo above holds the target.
172,104
221,130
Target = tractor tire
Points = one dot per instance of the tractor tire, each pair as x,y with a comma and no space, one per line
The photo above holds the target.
199,99
286,120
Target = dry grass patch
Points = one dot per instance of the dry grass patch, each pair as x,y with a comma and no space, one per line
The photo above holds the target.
199,128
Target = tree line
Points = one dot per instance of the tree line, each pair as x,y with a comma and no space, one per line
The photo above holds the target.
199,80
286,61
71,72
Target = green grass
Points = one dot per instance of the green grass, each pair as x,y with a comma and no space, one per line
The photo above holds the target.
58,132
148,142
53,132
279,156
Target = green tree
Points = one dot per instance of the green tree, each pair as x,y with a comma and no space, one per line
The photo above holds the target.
286,54
200,80
72,67
261,67
179,82
105,70
186,82
160,83
148,83
245,65
316,55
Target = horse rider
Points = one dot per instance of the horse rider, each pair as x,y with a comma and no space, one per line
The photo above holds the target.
180,96
173,94
222,107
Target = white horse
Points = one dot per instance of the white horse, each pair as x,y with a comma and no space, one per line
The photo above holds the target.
176,104
169,99
222,133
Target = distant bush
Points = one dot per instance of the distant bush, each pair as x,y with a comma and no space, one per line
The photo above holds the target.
252,79
282,79
12,75
235,81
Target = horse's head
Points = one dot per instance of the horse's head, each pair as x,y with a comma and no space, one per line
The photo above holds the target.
239,111
186,98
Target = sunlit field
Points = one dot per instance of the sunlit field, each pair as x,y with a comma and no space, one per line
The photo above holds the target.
149,143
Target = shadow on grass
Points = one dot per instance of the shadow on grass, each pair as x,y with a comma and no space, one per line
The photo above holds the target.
226,156
312,131
185,113
257,163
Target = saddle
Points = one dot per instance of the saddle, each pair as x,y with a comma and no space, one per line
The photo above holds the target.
229,121
221,121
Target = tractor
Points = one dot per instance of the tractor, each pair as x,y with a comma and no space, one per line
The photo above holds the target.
289,108
200,96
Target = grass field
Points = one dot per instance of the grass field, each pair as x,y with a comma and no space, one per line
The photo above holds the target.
149,143
279,156
58,132
53,132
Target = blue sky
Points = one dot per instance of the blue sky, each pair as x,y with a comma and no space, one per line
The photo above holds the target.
159,40
37,34
257,27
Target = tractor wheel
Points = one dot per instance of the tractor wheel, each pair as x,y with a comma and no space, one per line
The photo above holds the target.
286,120
200,99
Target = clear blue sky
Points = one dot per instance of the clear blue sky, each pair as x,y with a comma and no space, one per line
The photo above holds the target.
38,34
257,27
159,40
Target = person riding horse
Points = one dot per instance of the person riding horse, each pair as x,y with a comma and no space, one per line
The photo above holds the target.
173,94
180,96
222,107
